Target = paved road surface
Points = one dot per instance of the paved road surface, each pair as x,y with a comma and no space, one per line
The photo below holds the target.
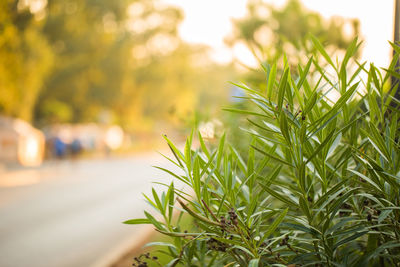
70,213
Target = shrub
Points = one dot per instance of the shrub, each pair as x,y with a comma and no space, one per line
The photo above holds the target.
319,184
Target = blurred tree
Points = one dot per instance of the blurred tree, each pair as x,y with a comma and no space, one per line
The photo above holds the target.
123,58
177,87
75,61
269,32
93,43
25,57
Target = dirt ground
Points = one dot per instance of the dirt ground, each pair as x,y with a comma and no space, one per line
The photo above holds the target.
126,259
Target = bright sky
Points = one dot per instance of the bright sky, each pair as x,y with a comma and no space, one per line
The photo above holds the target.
209,21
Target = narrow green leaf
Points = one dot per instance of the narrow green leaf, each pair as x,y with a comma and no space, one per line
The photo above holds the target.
246,88
162,244
158,202
273,157
171,201
330,194
198,216
383,247
260,126
377,141
282,89
349,239
338,105
352,48
323,126
333,209
327,198
271,81
304,73
393,63
272,176
321,49
272,127
334,145
174,175
220,150
188,152
282,197
384,215
151,202
321,146
250,160
310,103
284,127
246,112
302,228
196,178
138,221
289,92
178,155
304,207
271,229
375,79
156,223
254,263
203,145
243,249
357,72
173,263
338,226
208,165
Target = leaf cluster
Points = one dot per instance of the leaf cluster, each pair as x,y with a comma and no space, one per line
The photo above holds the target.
319,184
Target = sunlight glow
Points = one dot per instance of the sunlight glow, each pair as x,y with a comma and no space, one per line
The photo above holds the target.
209,22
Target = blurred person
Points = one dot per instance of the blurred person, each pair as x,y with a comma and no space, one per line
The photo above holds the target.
76,147
59,148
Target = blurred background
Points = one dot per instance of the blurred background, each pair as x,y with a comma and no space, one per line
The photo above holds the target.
105,75
87,88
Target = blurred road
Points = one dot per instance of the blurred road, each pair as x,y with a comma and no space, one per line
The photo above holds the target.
70,213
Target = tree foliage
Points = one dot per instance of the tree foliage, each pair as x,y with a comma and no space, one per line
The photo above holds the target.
98,47
25,58
270,31
74,61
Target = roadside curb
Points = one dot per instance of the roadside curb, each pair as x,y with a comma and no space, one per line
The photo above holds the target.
134,243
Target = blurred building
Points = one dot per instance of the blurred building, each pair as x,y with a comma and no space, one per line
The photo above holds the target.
20,142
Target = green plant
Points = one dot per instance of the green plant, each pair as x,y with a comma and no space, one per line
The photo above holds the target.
320,184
